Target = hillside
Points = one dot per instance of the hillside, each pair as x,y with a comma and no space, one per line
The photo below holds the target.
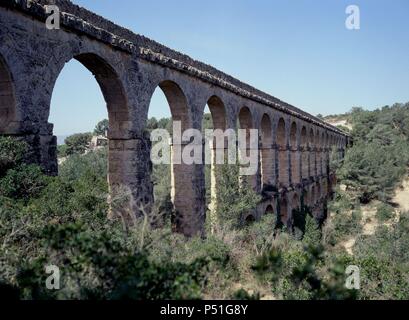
340,121
62,220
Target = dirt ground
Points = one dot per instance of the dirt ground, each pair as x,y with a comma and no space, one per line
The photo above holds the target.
402,196
369,220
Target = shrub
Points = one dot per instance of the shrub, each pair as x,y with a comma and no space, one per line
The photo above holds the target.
384,212
77,143
23,182
92,163
11,153
237,200
62,150
96,265
303,274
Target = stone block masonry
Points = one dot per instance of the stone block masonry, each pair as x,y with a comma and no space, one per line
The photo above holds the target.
128,68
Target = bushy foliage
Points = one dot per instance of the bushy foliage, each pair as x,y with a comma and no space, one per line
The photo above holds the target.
384,212
380,155
22,182
303,273
384,261
62,221
77,143
238,197
18,180
345,220
62,151
97,265
101,128
11,153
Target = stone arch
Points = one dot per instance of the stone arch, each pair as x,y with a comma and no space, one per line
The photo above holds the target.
7,98
318,193
245,118
246,122
318,152
177,103
293,135
189,212
250,219
269,210
112,90
311,142
322,140
304,153
281,133
313,196
326,154
283,163
317,142
119,144
304,137
266,153
266,131
218,112
295,155
307,197
295,202
325,188
283,209
322,153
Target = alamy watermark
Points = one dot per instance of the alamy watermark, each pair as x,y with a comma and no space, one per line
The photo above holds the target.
218,147
353,280
353,21
53,281
53,19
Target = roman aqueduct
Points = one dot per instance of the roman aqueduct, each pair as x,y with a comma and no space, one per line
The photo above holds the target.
294,148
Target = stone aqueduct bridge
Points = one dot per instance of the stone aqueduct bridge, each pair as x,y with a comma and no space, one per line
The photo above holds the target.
294,146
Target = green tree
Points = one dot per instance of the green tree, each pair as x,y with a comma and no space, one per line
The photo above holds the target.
236,199
78,143
101,128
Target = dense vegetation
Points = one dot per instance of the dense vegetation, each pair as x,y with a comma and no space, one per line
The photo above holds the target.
63,221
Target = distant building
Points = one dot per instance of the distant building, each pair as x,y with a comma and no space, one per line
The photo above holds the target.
98,142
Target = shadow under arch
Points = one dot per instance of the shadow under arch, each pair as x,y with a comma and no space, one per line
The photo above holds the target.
269,210
283,163
246,122
218,111
304,154
312,156
245,119
283,205
295,160
177,101
267,154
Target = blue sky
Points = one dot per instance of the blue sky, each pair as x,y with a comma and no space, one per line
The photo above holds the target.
296,50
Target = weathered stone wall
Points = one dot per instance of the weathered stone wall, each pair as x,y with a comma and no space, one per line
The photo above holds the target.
128,68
